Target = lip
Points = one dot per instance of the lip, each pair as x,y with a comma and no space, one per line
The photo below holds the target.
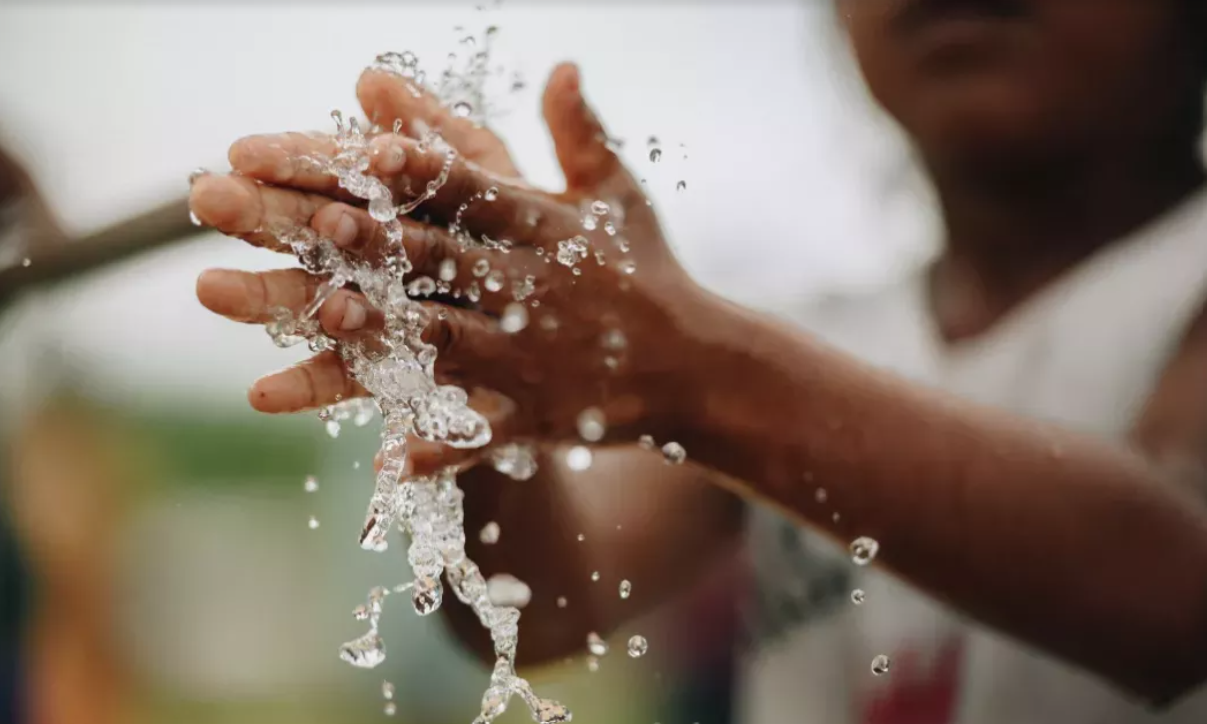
921,13
952,24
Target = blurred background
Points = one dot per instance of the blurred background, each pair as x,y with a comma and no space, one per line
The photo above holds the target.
156,561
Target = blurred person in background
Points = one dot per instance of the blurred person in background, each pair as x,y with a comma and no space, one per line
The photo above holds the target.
1021,427
59,522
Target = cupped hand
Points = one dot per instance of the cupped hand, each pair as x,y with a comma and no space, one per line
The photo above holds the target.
583,306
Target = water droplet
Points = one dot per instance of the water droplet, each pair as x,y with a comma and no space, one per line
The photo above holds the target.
361,613
311,484
578,458
581,537
589,222
858,596
609,228
390,708
591,424
448,270
595,576
387,690
561,601
427,595
356,465
462,109
333,428
628,267
880,665
313,523
646,442
638,646
506,590
599,208
422,287
494,281
655,155
681,186
366,652
613,340
626,589
196,174
571,251
863,550
397,126
490,533
596,645
820,495
550,712
592,664
514,318
673,453
481,268
514,460
26,262
194,218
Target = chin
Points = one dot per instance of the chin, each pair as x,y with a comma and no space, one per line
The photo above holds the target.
981,124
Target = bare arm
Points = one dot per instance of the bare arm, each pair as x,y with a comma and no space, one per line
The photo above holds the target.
1091,551
657,526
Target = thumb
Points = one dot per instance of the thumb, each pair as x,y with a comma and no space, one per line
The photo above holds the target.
578,137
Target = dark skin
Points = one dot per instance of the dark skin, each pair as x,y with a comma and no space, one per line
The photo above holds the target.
1050,129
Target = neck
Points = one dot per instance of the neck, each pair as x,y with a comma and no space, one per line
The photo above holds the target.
1011,233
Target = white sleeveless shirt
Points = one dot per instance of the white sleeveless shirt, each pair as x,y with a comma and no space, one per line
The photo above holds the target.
1086,352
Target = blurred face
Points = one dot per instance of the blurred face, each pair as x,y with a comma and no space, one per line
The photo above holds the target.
999,81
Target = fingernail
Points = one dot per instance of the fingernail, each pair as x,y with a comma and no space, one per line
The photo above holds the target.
354,317
345,230
223,291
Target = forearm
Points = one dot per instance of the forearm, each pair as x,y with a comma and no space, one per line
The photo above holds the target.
1073,544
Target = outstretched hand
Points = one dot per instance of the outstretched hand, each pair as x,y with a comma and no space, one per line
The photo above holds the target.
609,314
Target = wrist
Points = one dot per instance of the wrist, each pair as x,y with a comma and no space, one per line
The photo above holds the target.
748,390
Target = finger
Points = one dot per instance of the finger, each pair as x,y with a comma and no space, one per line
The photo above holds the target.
502,209
437,254
578,136
388,96
258,214
252,297
468,343
297,160
319,381
425,457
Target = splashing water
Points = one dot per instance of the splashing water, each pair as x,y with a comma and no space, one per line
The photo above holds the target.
880,665
397,369
638,646
864,550
596,645
673,453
